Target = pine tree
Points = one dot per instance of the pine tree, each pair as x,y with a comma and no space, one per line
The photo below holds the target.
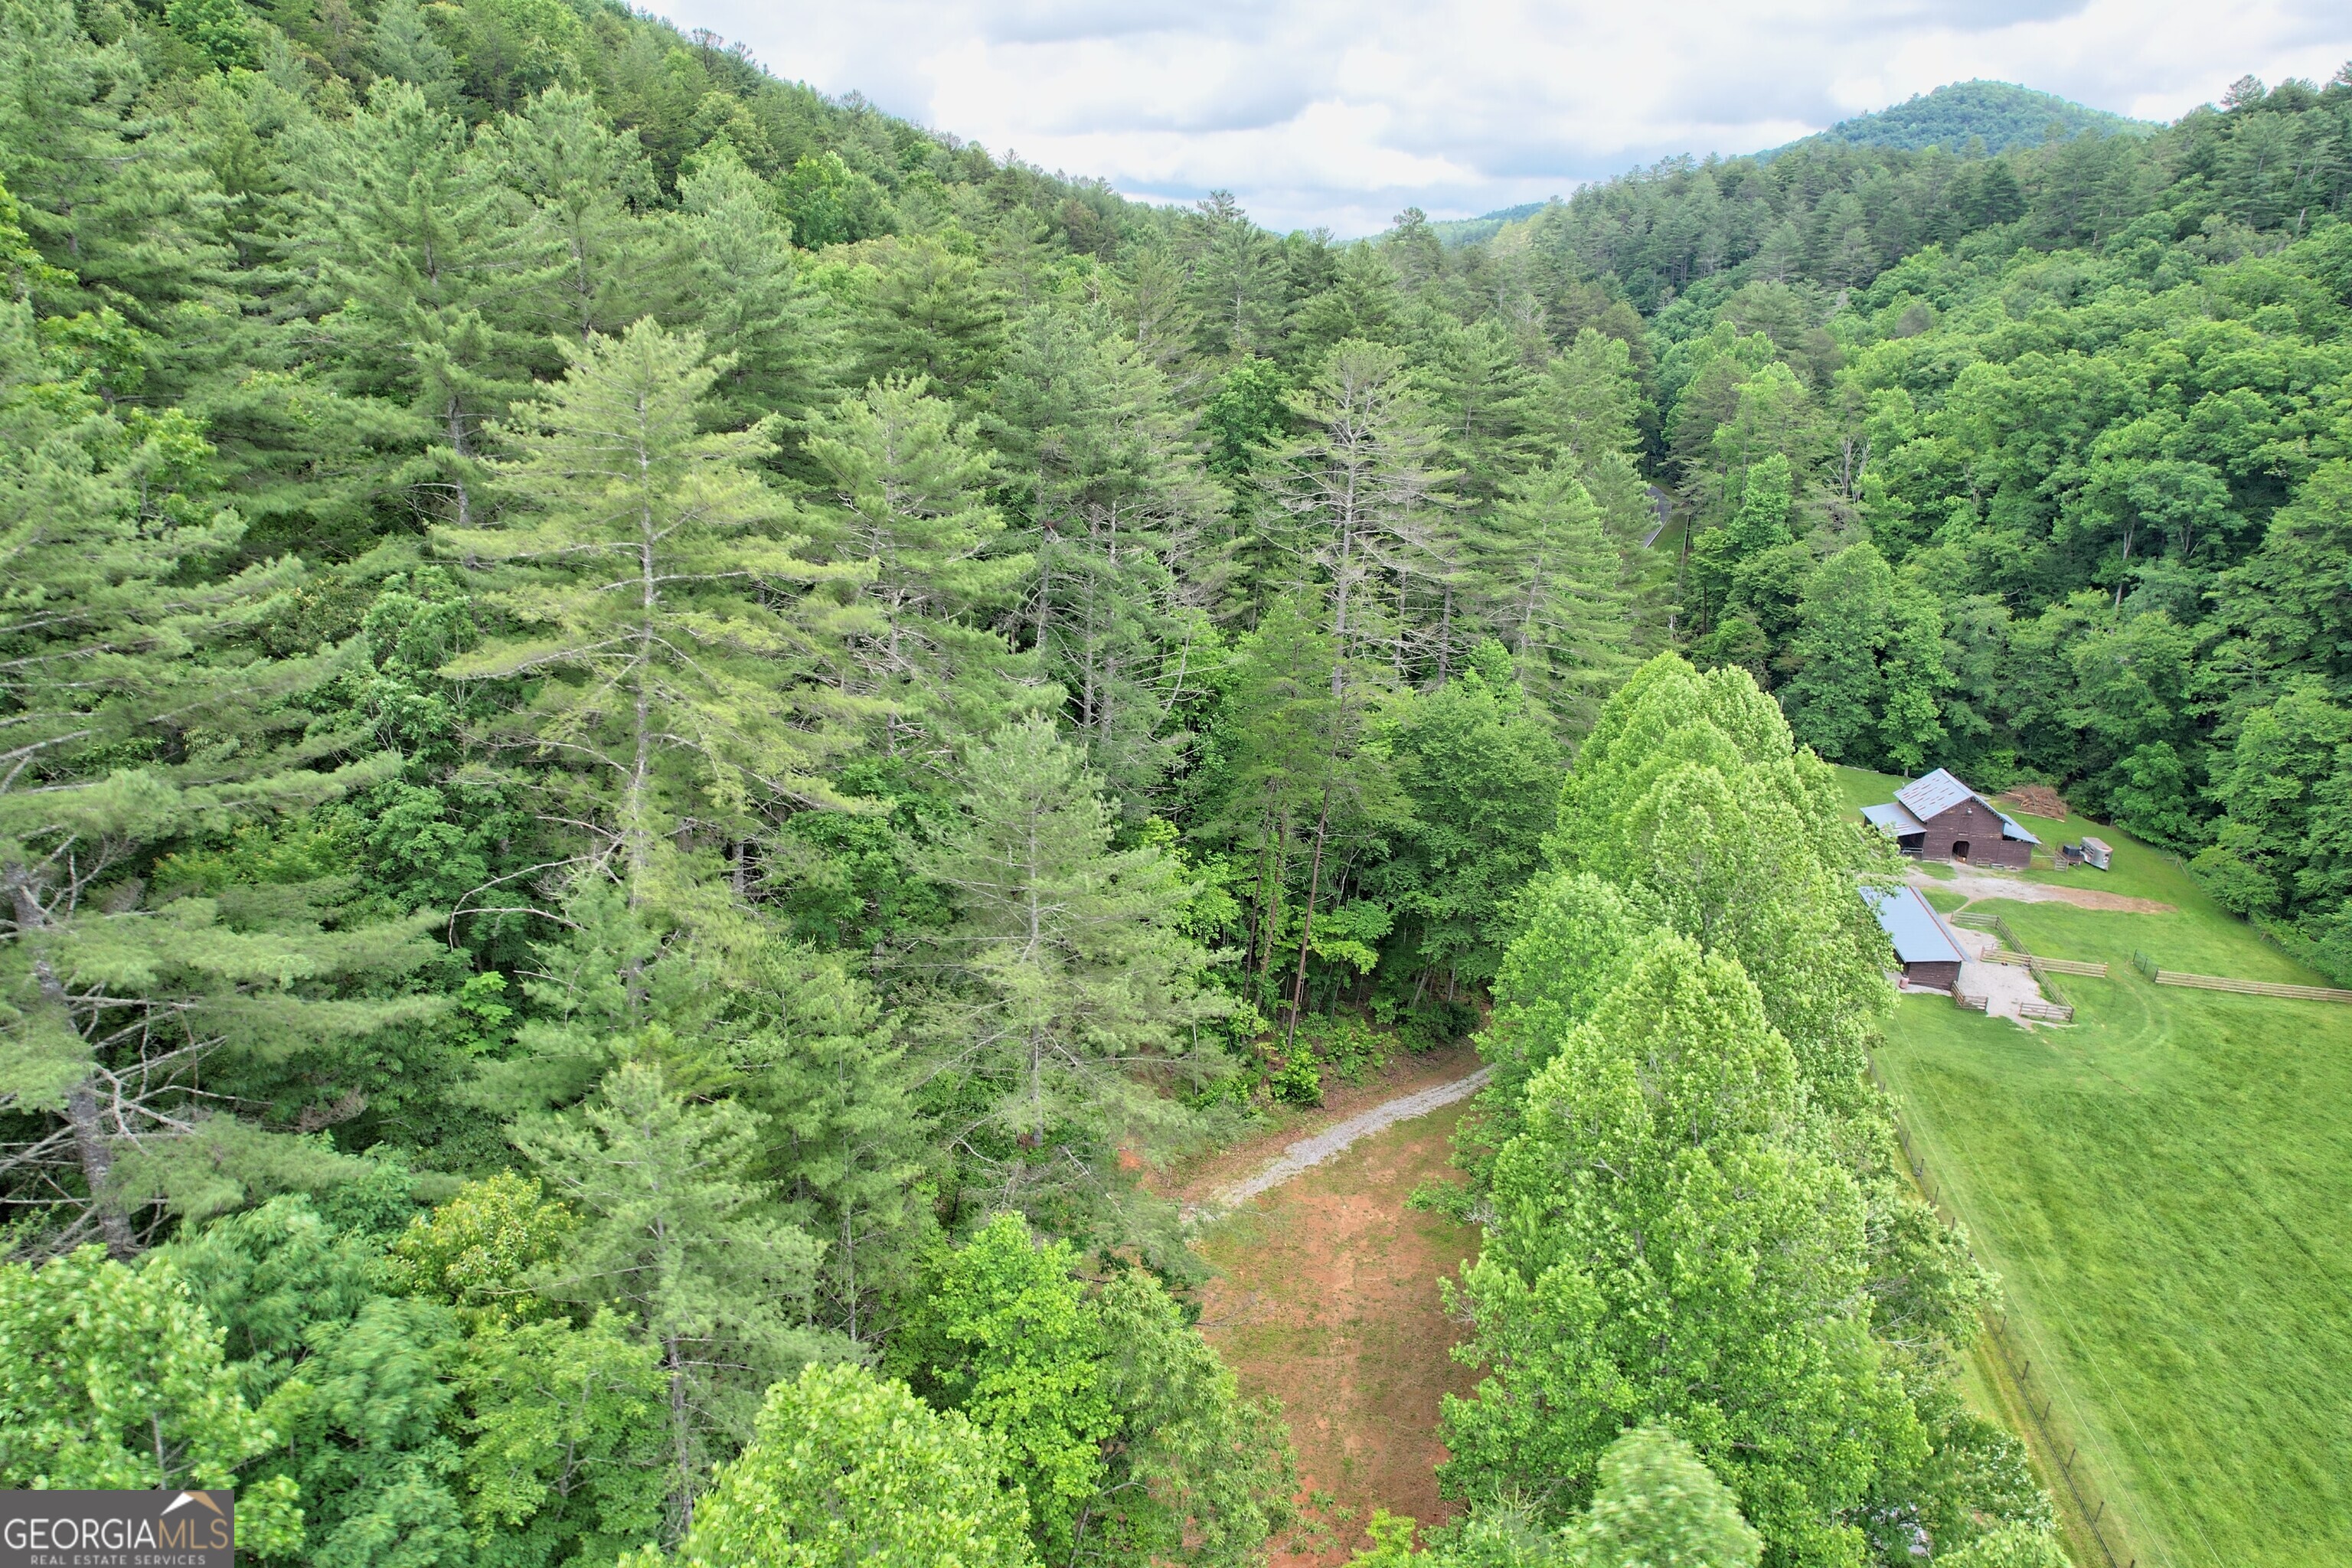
847,1143
1279,740
927,311
403,48
1547,579
693,1251
658,594
1102,471
1588,401
913,518
601,264
1362,490
1072,1000
757,308
128,719
410,241
110,192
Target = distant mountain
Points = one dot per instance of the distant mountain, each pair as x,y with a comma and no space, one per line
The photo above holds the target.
2003,114
1455,231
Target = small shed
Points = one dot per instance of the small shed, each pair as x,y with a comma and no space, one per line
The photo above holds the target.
2096,852
1923,944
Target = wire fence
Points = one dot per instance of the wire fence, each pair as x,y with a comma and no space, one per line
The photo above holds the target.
2038,1400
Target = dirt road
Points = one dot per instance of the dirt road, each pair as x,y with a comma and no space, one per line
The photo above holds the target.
1982,885
1326,1297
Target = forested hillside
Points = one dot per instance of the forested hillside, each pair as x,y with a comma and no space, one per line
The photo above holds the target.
2001,115
660,733
2036,467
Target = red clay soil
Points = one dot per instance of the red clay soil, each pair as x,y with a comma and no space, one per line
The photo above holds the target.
1326,1298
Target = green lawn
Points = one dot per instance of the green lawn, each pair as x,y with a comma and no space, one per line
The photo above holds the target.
2166,1189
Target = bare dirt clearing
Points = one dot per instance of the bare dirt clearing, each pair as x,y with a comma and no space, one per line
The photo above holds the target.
2004,986
1974,885
1307,1152
1326,1298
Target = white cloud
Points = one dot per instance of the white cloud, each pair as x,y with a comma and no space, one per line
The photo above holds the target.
1342,113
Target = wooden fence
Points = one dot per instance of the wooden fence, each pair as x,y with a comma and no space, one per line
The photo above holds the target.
2048,965
2147,966
2056,1009
2089,1506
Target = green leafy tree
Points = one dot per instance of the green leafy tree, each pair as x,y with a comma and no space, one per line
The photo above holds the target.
1669,1243
2012,1546
1194,1472
1687,798
1869,665
564,1428
354,1382
1477,771
848,1468
1131,1438
2272,788
1002,1332
112,1379
1659,1506
478,1250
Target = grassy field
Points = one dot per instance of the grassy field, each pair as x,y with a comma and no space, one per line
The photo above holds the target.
2166,1188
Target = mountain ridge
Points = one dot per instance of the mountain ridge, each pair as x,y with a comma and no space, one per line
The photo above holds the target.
1999,114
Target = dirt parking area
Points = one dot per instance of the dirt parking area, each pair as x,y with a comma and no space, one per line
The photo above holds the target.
1974,885
1326,1298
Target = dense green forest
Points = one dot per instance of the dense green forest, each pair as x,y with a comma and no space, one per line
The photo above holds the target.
659,731
1999,114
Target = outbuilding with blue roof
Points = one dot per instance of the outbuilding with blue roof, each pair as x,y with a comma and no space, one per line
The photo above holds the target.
1930,954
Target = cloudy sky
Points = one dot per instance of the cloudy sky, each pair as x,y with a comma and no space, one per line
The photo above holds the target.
1342,113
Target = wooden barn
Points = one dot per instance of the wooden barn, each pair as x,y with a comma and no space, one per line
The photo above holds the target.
1923,944
1938,817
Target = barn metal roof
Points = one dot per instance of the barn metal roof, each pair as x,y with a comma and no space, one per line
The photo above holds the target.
2011,827
1930,794
1917,932
1892,819
1933,794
